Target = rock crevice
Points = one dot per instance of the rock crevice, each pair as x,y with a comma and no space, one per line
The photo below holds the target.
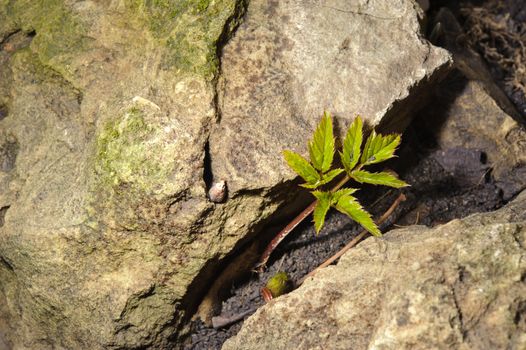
112,105
458,285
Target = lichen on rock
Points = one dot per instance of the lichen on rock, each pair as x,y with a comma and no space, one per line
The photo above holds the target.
107,189
130,150
112,105
189,29
61,35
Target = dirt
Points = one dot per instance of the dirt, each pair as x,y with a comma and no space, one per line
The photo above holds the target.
445,184
437,195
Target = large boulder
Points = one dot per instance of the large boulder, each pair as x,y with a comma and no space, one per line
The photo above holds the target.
499,139
291,60
107,117
115,117
456,286
464,98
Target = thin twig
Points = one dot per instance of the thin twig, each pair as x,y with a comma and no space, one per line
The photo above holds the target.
355,240
287,229
224,321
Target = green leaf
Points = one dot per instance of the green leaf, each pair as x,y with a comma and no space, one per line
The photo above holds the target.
382,178
352,144
321,147
302,167
379,148
340,193
312,186
322,207
328,177
325,178
347,204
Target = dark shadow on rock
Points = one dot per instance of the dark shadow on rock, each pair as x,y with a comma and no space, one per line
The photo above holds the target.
3,211
420,137
3,111
8,153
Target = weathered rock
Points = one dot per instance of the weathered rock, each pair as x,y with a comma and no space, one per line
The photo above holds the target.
449,34
108,106
498,139
456,115
291,60
456,286
107,110
473,120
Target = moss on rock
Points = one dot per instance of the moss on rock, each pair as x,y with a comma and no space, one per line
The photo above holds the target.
130,150
189,30
60,34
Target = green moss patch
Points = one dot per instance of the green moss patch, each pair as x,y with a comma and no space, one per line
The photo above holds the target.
60,34
189,29
129,151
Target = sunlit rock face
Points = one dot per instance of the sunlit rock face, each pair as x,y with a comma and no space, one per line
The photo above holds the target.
117,116
455,286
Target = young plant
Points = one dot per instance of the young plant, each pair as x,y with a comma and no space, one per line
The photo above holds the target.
318,171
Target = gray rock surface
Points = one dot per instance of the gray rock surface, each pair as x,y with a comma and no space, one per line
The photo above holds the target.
291,60
499,139
455,286
471,94
106,111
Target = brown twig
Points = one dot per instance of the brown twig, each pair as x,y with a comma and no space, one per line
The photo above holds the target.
355,240
287,229
224,321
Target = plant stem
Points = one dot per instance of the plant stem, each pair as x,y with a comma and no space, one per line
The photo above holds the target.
291,225
225,321
355,240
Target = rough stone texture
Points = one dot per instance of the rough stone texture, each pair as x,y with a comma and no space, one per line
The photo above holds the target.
500,136
108,108
291,60
499,139
456,286
106,111
469,61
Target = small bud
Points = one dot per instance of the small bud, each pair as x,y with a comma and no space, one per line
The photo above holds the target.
266,294
217,192
277,285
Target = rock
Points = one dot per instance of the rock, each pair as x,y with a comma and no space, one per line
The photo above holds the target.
291,60
454,286
468,166
451,36
107,113
424,4
469,93
499,139
472,94
103,203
